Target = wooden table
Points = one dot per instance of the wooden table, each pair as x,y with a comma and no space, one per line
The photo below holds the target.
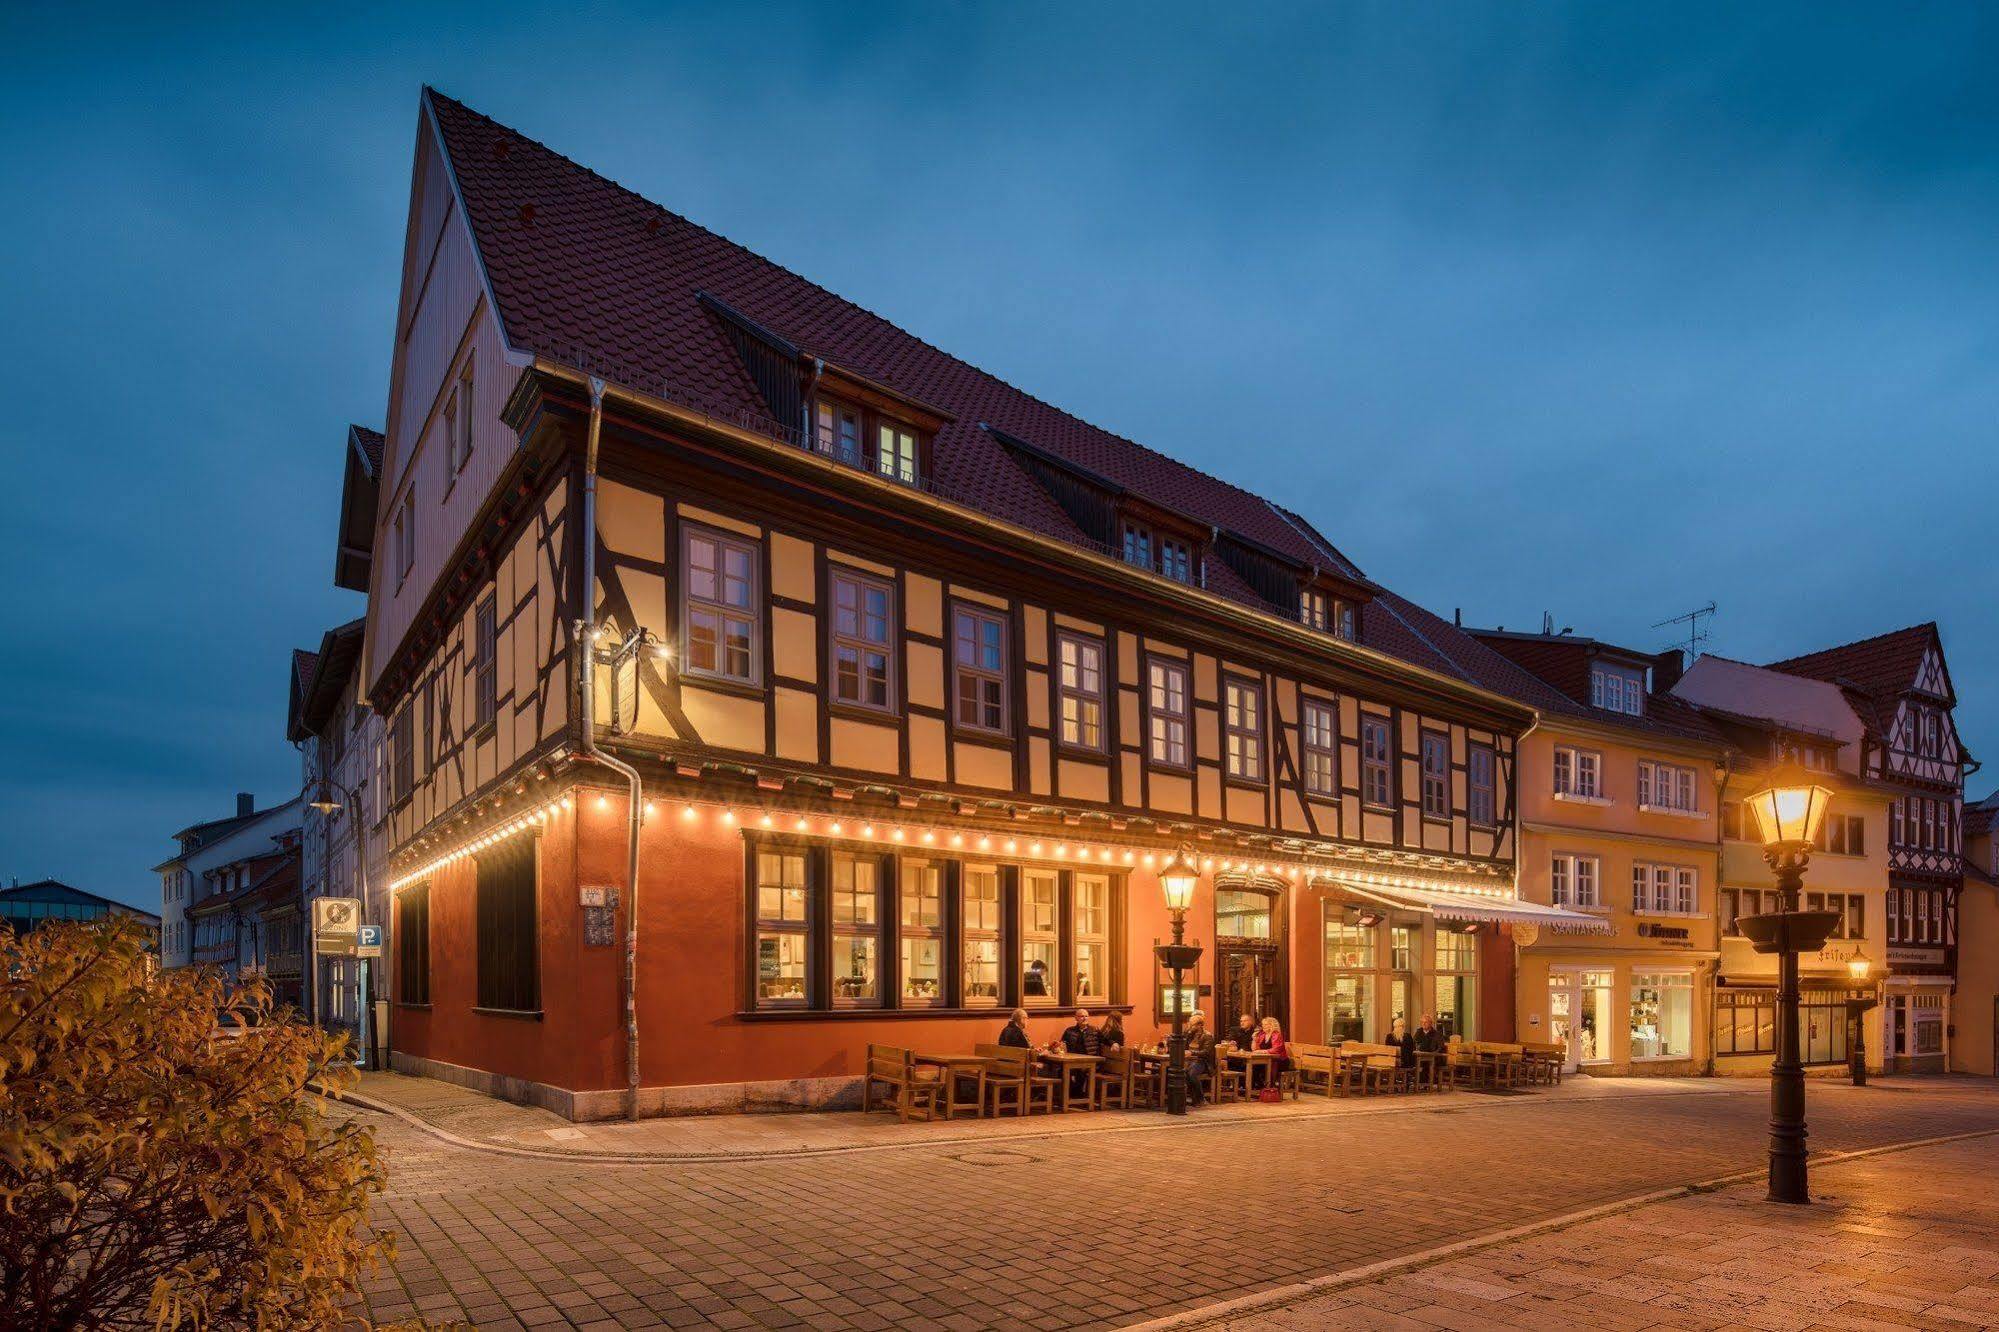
1152,1065
958,1066
1252,1060
1433,1068
1069,1064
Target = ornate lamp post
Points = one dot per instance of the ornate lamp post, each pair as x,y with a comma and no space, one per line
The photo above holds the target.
323,802
1178,957
1789,811
1856,1009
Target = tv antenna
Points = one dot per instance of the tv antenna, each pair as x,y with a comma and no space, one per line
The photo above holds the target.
1696,632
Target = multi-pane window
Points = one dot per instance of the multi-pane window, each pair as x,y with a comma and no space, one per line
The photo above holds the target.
1176,560
1376,775
720,607
863,627
1481,790
856,923
1662,1014
1436,775
1163,554
1091,926
1166,712
895,452
839,432
1578,772
1843,835
1851,908
980,929
978,664
1667,786
921,932
1242,729
1617,689
413,945
406,535
1323,611
505,927
458,427
1455,980
1319,739
1080,691
485,658
783,937
1138,545
1745,1022
1575,881
1664,889
1040,937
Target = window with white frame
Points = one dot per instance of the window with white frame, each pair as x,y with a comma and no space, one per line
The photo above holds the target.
980,931
863,628
1166,712
920,929
1668,787
1079,687
1664,890
1377,777
1481,788
1319,735
1578,772
1436,756
1662,1014
1321,610
1843,835
1040,938
1242,727
1617,689
1090,921
979,666
839,432
720,606
1575,881
895,452
1176,560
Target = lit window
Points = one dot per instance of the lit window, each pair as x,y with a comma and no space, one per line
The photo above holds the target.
720,607
1242,725
839,432
1666,786
1376,777
1091,921
1575,881
782,942
1320,737
1080,689
895,453
1578,772
1456,981
1040,938
981,929
1662,1015
1166,705
863,625
921,923
856,930
979,667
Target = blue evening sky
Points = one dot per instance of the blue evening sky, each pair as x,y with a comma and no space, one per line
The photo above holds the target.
1598,310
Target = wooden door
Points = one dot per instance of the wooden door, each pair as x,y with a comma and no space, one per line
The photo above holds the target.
1249,984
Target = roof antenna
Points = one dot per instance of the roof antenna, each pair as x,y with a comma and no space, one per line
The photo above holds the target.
1696,632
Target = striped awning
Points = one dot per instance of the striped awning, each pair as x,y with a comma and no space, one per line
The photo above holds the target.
1447,905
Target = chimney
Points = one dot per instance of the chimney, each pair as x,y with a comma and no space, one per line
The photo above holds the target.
245,804
1667,668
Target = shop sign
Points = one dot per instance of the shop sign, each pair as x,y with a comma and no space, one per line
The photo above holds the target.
1915,957
1673,934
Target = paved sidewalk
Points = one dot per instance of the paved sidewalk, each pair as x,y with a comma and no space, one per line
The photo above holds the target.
1901,1239
472,1119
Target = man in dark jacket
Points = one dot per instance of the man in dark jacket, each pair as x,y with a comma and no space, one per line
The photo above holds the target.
1015,1031
1079,1037
1428,1037
1200,1055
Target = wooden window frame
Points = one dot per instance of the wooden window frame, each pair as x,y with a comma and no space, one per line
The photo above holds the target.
862,583
1099,938
1574,765
507,932
1437,782
413,946
402,754
882,895
1182,564
1183,717
1384,765
963,613
725,543
485,662
1254,734
1310,749
907,933
825,407
1065,691
803,929
1051,937
970,934
1486,816
907,469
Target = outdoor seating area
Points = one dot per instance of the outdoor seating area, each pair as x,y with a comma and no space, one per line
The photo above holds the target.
993,1080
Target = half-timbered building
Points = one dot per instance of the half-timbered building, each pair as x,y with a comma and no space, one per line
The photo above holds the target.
904,684
1900,688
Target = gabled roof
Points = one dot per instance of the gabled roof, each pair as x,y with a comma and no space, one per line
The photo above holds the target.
360,483
317,692
586,273
1559,664
1881,667
54,890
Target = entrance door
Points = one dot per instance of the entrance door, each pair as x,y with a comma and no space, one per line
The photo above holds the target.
1562,1019
1249,985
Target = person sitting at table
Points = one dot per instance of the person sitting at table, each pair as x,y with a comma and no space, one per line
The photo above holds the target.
1428,1036
1200,1055
1404,1043
1034,984
1245,1032
1015,1031
1110,1036
1079,1037
1269,1036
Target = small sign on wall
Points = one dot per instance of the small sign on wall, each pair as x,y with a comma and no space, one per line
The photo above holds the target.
600,917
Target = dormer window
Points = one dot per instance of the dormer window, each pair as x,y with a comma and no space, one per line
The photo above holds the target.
1617,689
1322,611
1158,552
840,432
870,440
895,452
1138,545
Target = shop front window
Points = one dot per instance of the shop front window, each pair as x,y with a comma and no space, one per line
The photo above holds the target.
856,930
1040,963
1350,977
1662,1015
1455,981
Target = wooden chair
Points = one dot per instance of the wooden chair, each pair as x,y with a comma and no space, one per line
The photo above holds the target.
1223,1083
1111,1082
1544,1062
1499,1062
1011,1078
1313,1068
915,1087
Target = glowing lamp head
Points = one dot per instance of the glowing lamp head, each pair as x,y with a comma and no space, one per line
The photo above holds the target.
1790,809
1178,884
1858,968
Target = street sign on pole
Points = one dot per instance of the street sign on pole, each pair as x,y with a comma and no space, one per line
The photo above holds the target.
336,925
368,941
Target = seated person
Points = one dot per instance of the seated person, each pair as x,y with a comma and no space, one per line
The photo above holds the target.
1429,1037
1245,1032
1200,1055
1404,1043
1110,1036
1269,1036
1079,1037
1015,1031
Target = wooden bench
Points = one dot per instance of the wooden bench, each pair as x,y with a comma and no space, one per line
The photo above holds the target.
1114,1081
1012,1079
1371,1068
1544,1061
914,1087
1497,1062
1313,1068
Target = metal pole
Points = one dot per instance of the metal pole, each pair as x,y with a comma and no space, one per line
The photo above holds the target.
1787,1074
1176,1045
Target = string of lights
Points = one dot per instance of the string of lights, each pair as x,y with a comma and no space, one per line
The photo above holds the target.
910,833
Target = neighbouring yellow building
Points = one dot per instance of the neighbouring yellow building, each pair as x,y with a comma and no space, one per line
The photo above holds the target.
1618,821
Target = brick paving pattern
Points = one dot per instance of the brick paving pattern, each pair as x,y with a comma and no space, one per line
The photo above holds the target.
1079,1229
1903,1240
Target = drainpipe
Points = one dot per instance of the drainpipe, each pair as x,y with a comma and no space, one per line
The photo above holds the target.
586,637
1723,770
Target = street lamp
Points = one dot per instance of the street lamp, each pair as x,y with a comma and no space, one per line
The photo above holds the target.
1178,883
1789,810
324,802
1856,1011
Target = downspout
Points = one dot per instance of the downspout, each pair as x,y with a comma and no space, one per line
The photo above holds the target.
1519,849
586,635
1723,770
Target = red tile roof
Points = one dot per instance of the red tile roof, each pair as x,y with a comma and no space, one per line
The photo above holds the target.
587,273
1883,665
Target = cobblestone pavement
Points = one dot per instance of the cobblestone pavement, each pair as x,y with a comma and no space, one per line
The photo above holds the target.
1076,1229
1909,1239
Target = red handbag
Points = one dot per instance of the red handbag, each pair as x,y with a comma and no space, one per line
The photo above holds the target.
1270,1096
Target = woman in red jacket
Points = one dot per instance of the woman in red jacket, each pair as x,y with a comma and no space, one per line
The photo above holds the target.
1270,1037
